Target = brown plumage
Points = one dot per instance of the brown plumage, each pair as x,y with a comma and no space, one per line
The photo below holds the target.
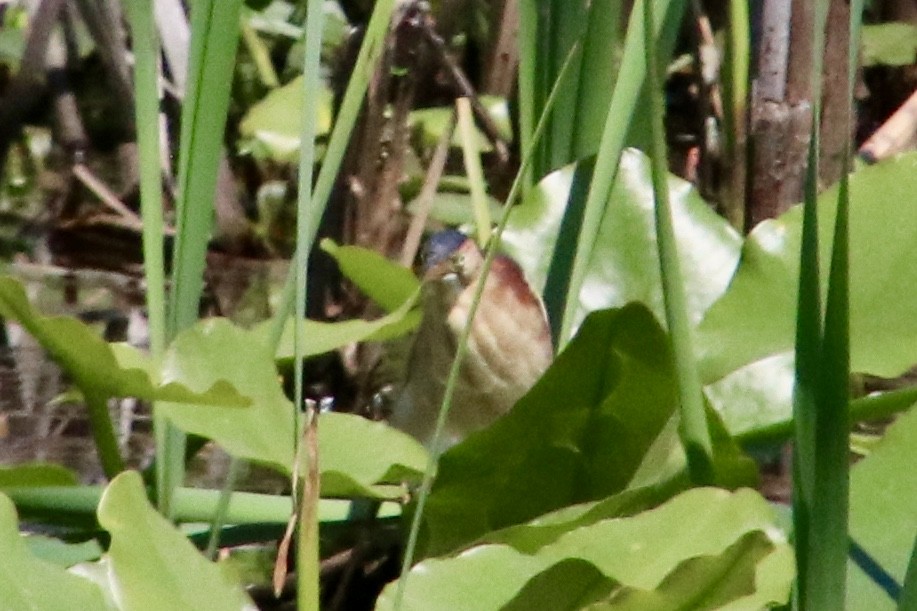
508,350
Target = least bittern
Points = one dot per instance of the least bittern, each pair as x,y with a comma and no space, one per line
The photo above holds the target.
509,345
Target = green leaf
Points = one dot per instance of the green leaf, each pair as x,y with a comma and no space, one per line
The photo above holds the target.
101,368
890,44
36,474
154,565
548,30
320,337
625,265
63,554
361,458
649,551
265,433
384,281
215,349
883,511
274,125
26,582
750,574
755,318
580,434
570,584
432,122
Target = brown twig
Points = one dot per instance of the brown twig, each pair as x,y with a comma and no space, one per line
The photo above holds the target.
424,200
466,89
106,195
894,135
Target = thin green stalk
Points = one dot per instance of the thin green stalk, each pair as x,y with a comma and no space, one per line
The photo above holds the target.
473,170
307,574
260,54
146,94
222,508
617,123
695,435
367,59
873,407
735,94
214,38
462,346
104,434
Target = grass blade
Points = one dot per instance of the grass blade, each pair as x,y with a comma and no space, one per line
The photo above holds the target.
214,37
617,123
473,169
694,433
367,59
146,89
307,574
805,390
821,411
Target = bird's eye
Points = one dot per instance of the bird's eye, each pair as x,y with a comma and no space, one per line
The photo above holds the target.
458,262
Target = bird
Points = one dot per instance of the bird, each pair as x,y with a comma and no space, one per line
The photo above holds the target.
509,346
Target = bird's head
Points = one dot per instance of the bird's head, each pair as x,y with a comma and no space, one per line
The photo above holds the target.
451,261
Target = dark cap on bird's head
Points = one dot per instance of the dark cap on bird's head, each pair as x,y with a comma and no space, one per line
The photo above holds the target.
440,246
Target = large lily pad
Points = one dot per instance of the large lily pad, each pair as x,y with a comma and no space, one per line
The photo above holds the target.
756,317
217,349
361,458
625,263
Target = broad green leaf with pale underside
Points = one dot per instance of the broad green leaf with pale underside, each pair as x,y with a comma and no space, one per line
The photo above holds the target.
154,565
650,557
755,318
625,263
264,432
319,337
217,349
274,124
26,582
